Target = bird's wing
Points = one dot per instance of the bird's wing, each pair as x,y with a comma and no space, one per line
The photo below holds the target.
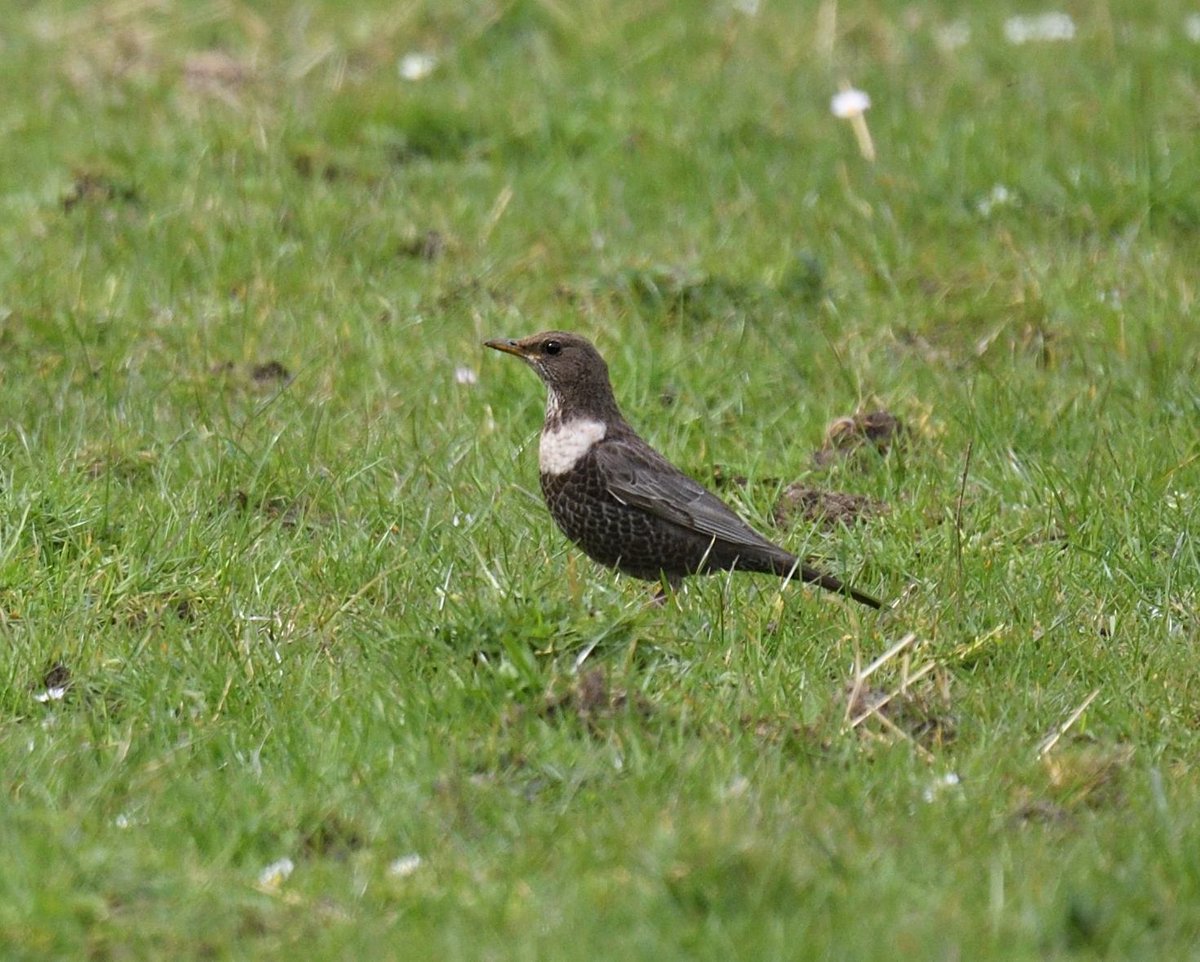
637,475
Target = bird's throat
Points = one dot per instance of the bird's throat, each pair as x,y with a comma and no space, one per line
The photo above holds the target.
565,443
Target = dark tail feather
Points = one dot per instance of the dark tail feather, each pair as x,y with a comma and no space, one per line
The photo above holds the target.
830,583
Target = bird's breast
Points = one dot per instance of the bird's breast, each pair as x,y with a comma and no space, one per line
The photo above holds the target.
566,443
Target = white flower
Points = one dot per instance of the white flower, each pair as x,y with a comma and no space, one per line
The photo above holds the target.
405,865
1042,28
417,65
1000,196
1191,27
465,375
849,103
275,874
1176,499
940,784
56,693
748,7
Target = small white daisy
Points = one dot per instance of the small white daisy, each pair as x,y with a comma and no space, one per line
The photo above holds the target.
417,65
849,103
999,196
275,874
405,865
940,784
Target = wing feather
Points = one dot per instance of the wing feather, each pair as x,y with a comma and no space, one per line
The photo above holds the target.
639,476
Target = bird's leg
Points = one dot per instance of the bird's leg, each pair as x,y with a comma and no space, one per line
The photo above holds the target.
667,587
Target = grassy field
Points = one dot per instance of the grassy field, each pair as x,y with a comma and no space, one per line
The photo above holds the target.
293,659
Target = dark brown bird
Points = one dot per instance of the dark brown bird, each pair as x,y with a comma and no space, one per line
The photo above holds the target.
621,501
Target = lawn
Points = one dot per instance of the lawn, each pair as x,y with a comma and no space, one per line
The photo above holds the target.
293,659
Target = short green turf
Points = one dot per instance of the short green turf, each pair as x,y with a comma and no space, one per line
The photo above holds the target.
276,582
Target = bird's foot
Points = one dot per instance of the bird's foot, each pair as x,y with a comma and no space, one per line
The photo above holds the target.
666,589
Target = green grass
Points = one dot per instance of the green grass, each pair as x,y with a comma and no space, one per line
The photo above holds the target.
303,591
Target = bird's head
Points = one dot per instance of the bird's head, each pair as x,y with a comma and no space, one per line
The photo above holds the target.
574,373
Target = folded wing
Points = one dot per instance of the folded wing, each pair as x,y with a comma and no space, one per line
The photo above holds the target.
639,476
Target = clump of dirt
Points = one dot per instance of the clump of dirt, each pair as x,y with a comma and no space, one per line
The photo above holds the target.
93,187
270,371
592,700
922,712
826,508
850,436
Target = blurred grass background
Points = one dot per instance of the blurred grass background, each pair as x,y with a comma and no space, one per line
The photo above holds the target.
271,525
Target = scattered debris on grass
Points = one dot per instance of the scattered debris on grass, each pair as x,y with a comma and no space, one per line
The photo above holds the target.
216,74
1054,535
471,291
932,352
1040,810
109,49
1080,772
826,508
139,609
591,700
918,713
678,293
332,837
982,646
1082,775
312,165
268,372
56,683
100,460
1087,774
428,246
57,675
1052,739
723,478
287,511
880,431
1033,338
95,188
785,731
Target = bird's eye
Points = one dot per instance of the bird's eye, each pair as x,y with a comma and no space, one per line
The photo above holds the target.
552,347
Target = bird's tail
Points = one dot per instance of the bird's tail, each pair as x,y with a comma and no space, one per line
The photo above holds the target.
816,577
